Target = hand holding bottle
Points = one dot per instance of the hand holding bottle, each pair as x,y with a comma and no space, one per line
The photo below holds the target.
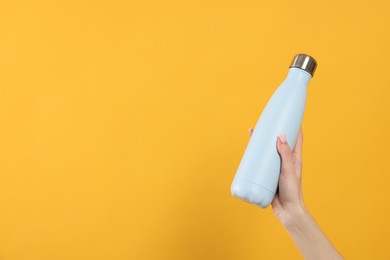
257,176
289,196
288,205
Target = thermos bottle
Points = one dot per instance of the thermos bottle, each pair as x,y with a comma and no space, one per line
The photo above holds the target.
257,177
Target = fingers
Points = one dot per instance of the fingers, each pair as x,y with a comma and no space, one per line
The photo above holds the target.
285,149
285,154
297,151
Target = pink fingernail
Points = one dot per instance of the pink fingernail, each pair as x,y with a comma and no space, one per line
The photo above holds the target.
282,138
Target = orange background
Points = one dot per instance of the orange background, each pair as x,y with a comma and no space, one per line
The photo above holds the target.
122,124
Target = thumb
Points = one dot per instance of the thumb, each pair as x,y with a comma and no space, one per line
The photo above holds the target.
285,154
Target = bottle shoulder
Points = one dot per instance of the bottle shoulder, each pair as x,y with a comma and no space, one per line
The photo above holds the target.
298,76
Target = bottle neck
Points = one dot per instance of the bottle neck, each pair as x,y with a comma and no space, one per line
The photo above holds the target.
299,75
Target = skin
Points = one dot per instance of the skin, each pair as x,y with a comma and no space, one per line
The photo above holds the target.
289,207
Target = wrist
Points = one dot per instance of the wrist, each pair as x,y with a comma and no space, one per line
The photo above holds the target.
307,235
293,216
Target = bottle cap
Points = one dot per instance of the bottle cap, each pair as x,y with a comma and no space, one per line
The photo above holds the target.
304,62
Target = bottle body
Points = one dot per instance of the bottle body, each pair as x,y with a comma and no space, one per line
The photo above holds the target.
257,177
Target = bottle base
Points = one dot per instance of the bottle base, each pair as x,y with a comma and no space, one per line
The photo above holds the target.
252,193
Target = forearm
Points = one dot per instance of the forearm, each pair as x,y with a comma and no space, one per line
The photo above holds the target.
309,238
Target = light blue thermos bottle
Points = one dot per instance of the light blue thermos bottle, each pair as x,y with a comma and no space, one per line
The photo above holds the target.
257,177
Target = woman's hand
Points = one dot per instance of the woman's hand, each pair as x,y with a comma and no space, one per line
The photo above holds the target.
289,208
288,201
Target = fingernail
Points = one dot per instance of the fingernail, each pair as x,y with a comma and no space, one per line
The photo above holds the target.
282,138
